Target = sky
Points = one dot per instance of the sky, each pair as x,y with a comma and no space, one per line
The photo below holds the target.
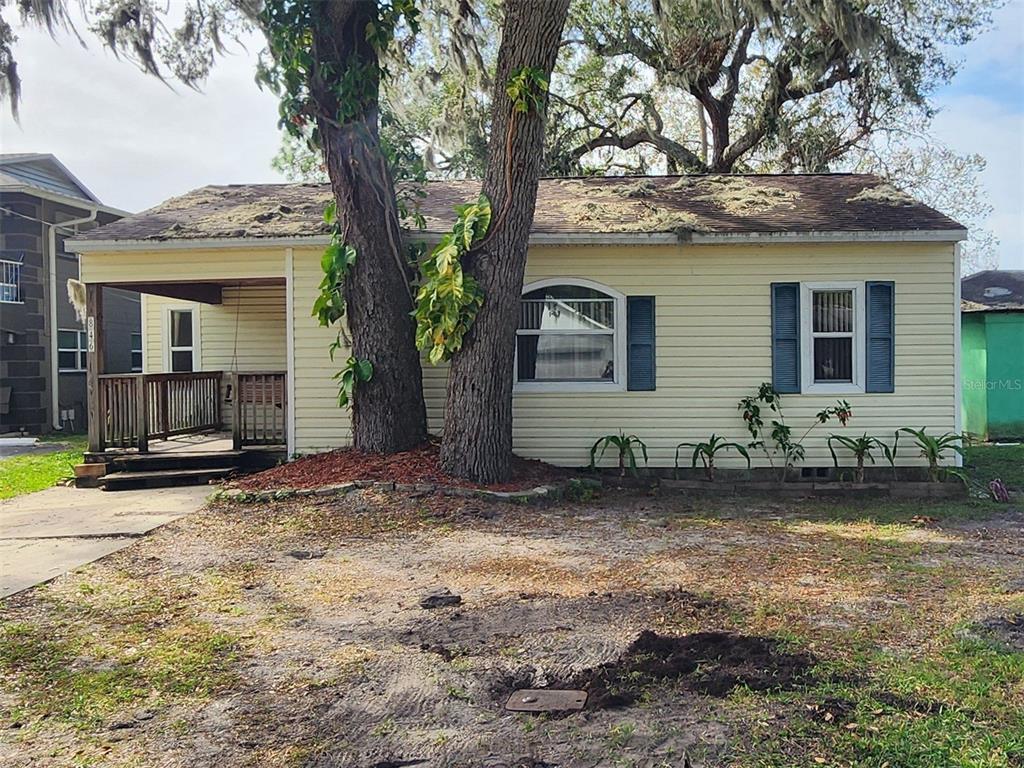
135,142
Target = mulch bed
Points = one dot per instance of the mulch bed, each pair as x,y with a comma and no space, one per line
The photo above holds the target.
419,465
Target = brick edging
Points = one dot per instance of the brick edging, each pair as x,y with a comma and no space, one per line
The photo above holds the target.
540,492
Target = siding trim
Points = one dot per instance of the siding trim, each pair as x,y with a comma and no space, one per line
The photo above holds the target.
958,384
551,238
289,338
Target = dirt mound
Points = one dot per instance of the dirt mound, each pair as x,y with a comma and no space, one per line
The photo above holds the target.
711,663
419,465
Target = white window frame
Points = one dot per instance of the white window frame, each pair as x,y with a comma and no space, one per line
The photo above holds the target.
10,277
196,348
133,351
809,385
618,381
80,351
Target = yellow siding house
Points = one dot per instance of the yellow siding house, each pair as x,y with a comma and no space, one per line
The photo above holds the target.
649,306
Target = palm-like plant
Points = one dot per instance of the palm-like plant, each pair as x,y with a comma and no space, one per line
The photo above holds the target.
933,448
860,447
624,444
706,453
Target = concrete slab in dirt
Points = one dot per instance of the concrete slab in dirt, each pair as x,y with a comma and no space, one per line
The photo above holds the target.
45,534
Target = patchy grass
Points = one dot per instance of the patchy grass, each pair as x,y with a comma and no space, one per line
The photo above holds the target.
107,647
36,471
987,462
958,706
291,633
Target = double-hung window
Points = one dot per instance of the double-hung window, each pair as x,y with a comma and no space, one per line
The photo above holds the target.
72,348
834,337
136,352
181,340
832,321
571,336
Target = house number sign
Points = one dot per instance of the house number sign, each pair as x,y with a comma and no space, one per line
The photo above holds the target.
90,334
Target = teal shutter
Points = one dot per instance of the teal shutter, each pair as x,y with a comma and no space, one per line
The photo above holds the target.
879,355
640,373
786,337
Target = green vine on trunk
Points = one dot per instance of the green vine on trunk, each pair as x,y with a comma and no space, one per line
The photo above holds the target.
311,86
448,299
329,308
354,373
315,87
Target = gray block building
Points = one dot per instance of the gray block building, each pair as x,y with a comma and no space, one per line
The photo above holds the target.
42,341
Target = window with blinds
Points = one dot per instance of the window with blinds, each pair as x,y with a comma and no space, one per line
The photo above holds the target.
566,333
832,335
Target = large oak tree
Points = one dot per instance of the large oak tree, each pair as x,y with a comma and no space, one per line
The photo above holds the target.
478,413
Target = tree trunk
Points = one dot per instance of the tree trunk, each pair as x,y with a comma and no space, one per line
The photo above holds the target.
477,440
388,411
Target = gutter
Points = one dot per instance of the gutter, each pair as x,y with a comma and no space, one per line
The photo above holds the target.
542,238
54,197
51,245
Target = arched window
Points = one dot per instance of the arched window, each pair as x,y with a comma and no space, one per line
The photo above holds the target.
571,336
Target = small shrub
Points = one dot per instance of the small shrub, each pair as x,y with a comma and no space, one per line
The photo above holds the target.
859,446
624,444
577,490
706,453
791,451
933,449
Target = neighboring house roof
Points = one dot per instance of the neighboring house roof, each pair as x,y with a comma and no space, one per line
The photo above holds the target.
682,205
43,172
993,290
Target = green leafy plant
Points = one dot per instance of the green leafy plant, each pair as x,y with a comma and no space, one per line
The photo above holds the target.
329,308
354,373
526,88
860,447
890,453
933,448
791,451
624,444
448,299
706,453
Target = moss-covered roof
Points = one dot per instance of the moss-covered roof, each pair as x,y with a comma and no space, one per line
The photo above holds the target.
993,290
793,203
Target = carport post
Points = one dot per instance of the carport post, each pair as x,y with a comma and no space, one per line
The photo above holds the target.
94,362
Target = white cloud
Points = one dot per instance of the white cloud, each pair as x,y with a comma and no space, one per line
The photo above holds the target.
128,137
971,124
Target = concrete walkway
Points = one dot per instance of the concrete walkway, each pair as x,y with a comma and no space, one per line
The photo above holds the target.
45,534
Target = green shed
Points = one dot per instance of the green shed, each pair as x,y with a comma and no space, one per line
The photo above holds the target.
992,354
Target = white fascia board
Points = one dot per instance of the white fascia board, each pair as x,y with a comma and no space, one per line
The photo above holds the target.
87,246
886,236
612,238
90,246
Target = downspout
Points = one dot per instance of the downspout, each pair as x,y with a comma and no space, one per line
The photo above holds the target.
54,367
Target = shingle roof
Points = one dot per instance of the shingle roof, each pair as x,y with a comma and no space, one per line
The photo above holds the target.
993,290
43,172
591,205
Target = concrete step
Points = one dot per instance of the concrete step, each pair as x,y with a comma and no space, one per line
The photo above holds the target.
122,481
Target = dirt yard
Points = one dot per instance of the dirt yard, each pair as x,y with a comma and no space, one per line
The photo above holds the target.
738,632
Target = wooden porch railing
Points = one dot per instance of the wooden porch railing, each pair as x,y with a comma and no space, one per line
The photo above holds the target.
134,408
259,408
